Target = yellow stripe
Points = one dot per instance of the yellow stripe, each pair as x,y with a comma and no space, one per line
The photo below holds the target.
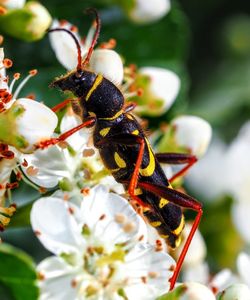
149,170
179,229
119,161
114,117
130,117
155,224
163,202
135,132
164,236
98,80
104,131
138,191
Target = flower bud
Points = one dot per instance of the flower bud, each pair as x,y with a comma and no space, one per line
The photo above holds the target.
236,291
108,63
189,134
160,88
190,291
28,123
143,12
12,3
28,23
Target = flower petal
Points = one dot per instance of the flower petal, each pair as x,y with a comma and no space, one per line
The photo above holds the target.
53,222
64,46
56,279
149,272
111,216
243,265
241,218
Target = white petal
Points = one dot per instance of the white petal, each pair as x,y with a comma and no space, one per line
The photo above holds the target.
207,177
108,63
196,291
198,273
193,133
164,86
13,3
222,280
243,265
55,225
241,218
37,122
101,203
236,291
197,250
64,46
144,262
149,11
80,138
57,282
50,166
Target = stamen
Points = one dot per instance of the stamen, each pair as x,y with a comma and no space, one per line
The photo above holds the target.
25,80
15,78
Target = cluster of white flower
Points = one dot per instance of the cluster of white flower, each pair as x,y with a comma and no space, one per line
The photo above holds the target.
101,246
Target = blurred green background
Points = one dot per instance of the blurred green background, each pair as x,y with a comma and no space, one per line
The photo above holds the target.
207,43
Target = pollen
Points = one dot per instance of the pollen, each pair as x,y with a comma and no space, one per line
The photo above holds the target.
129,227
33,72
40,276
7,63
85,191
120,218
32,171
153,275
17,76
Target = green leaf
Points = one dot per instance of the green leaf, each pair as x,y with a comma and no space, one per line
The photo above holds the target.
17,275
22,216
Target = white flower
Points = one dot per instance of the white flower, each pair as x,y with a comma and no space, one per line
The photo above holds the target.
243,267
160,88
149,11
104,61
109,63
196,291
13,3
192,133
99,250
236,291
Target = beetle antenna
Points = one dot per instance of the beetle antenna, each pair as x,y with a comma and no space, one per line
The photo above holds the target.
96,35
79,57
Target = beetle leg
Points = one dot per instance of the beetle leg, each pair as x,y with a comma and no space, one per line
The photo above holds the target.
181,200
177,159
46,143
61,105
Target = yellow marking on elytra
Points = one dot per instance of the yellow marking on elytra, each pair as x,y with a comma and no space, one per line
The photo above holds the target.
177,242
119,161
149,170
163,202
156,224
138,191
179,229
114,117
164,236
130,117
103,132
97,81
135,132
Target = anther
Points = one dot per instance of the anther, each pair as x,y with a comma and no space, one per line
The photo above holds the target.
74,28
25,163
144,279
2,10
129,227
120,218
88,152
85,191
71,210
40,276
102,217
73,283
63,23
37,232
17,76
7,63
152,274
1,39
32,171
33,72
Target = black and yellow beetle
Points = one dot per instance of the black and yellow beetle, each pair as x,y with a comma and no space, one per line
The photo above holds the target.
126,152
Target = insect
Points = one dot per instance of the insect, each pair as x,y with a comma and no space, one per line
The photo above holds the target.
126,152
